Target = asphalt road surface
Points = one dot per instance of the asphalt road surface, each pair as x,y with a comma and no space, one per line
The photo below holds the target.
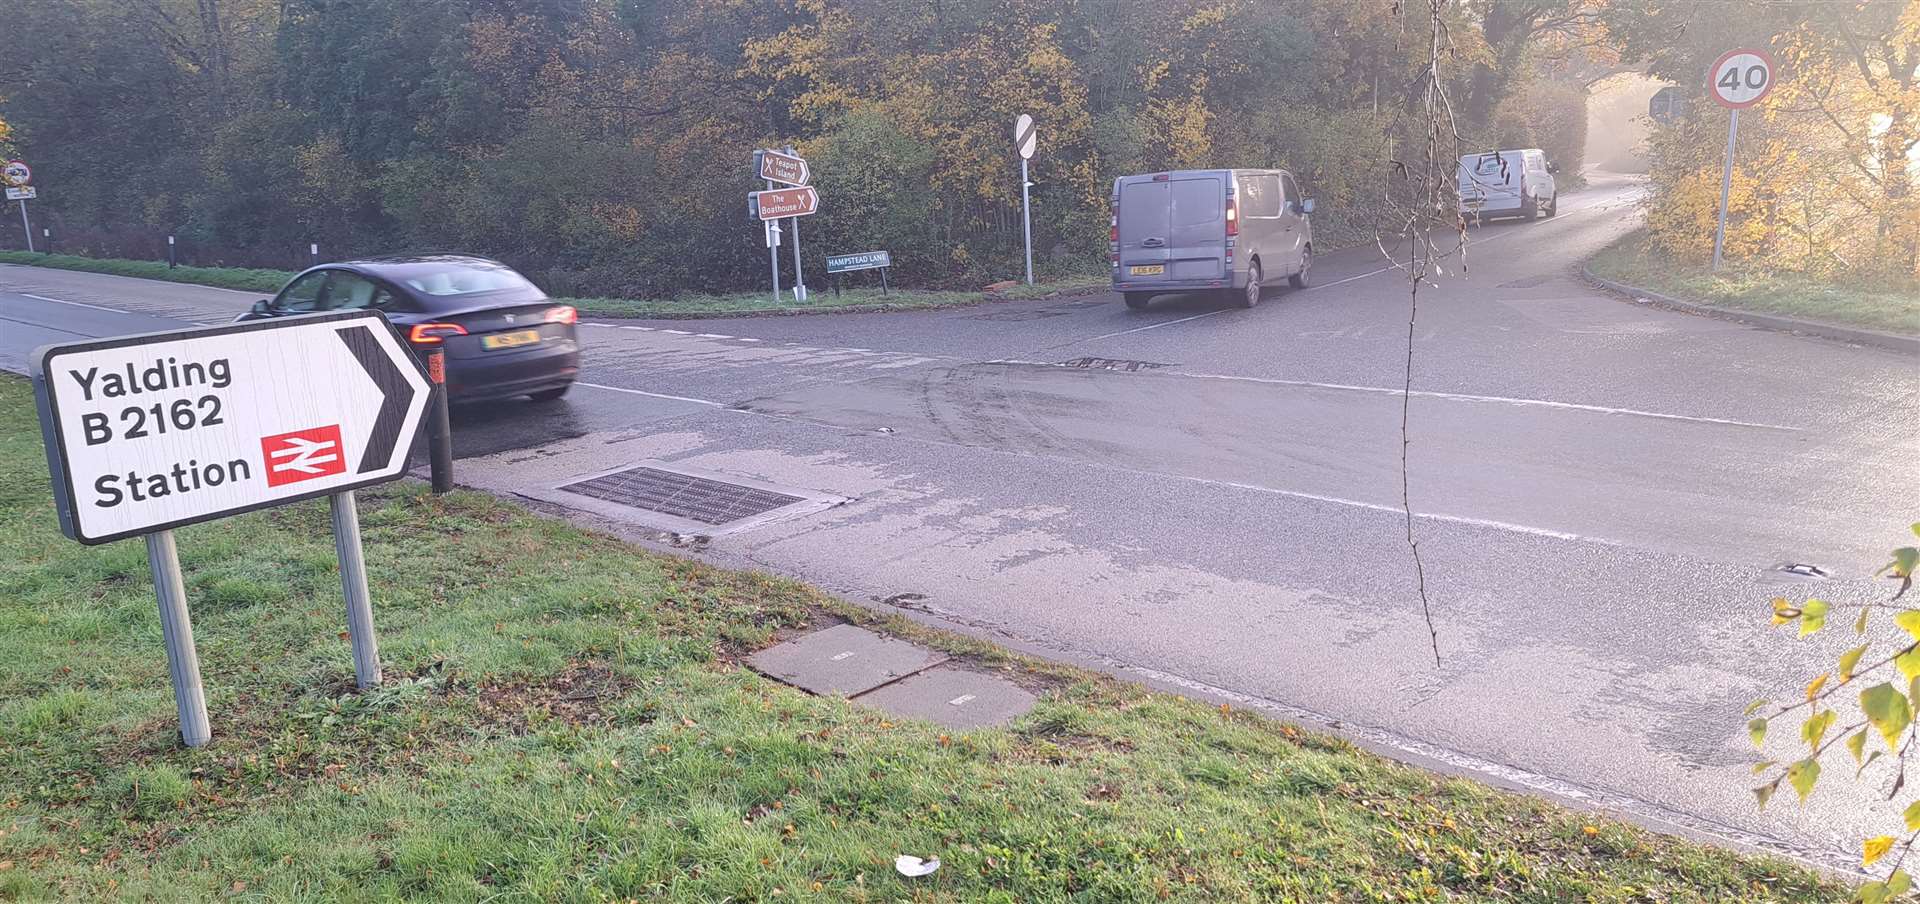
1206,497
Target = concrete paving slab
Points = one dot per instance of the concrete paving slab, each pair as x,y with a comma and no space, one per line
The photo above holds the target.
843,659
955,698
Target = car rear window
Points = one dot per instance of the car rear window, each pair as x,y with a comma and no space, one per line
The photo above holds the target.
466,281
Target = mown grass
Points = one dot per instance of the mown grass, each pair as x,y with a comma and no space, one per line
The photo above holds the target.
565,719
243,278
1747,286
821,299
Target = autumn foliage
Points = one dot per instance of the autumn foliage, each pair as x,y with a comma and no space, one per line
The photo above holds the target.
603,145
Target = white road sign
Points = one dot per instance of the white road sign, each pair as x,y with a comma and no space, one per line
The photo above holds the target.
147,433
1740,78
1024,136
23,193
16,172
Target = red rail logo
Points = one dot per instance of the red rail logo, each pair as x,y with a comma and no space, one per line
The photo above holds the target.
303,455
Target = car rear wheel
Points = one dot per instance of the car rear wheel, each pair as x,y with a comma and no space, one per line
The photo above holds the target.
1529,208
1553,204
1137,300
1251,296
1299,280
549,395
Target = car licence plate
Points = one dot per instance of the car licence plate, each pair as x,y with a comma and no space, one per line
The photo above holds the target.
1151,270
514,339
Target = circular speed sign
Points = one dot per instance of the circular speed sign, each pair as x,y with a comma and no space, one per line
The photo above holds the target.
1740,78
16,173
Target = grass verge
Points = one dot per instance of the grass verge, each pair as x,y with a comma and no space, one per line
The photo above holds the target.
565,719
821,301
245,279
1631,261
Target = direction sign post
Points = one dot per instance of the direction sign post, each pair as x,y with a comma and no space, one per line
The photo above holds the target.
1024,141
147,433
17,176
1738,80
799,274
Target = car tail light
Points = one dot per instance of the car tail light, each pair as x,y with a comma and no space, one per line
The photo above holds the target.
563,314
1233,217
1113,240
432,333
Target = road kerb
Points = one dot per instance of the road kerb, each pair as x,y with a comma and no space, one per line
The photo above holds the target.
1780,322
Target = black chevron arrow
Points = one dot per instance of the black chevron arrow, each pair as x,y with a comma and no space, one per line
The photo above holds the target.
397,395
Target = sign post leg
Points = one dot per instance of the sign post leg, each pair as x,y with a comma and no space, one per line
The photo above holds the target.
883,281
799,275
1026,218
353,584
176,626
1726,188
25,224
773,251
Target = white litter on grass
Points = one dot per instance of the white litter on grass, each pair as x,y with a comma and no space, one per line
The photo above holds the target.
909,865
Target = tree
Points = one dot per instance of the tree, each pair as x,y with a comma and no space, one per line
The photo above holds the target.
1885,722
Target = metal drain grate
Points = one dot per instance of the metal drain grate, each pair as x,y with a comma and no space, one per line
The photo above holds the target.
1112,364
708,501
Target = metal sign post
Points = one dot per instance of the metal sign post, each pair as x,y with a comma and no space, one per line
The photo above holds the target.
17,176
799,274
147,433
176,629
1024,140
1738,80
353,586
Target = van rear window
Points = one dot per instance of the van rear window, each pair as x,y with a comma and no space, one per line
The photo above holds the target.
1197,202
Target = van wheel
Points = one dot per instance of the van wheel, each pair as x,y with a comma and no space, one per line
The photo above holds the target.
1251,296
1553,204
1137,300
1299,280
1529,208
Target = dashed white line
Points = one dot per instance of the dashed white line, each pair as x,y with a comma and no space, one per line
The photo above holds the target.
712,336
642,392
1505,400
1151,326
77,304
677,332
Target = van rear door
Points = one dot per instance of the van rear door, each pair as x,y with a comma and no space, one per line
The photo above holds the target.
1177,224
1495,180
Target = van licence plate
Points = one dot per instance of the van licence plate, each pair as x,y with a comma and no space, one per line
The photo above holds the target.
1149,270
514,339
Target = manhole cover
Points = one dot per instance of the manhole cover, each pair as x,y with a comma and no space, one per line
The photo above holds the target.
702,499
1112,364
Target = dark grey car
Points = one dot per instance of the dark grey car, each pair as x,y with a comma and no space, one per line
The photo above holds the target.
1232,231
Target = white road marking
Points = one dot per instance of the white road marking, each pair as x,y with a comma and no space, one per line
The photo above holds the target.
713,335
643,329
655,395
1505,400
1490,523
677,332
77,304
1150,326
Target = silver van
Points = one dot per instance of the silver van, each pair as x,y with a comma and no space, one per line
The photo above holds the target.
1235,231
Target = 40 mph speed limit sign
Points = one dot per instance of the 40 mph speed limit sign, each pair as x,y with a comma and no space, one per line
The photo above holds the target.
1740,78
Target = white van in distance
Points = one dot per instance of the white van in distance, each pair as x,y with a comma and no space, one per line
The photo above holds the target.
1508,183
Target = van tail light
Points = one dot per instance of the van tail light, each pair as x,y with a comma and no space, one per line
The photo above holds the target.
1113,240
1113,228
564,313
432,333
1233,217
